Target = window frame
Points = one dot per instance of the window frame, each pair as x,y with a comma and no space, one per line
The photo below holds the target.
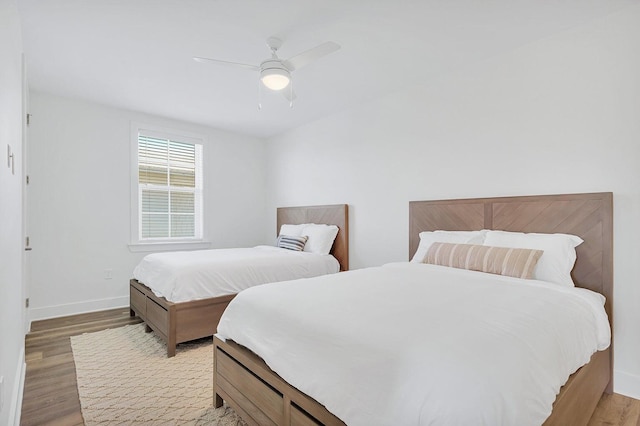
139,244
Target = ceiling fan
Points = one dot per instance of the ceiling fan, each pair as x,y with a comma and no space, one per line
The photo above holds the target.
275,73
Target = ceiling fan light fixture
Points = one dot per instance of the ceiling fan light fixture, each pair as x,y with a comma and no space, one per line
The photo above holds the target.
276,78
275,73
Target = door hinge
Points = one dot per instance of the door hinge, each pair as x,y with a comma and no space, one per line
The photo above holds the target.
27,179
28,119
26,302
26,245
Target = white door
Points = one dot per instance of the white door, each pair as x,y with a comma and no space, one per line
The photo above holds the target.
25,186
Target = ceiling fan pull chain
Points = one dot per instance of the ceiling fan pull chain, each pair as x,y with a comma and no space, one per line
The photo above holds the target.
291,94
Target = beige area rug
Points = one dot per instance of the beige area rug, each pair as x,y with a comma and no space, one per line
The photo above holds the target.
125,378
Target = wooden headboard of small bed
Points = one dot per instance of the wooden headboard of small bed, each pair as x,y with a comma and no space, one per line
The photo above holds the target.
336,214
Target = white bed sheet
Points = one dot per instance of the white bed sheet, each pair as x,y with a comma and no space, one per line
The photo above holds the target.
191,275
417,344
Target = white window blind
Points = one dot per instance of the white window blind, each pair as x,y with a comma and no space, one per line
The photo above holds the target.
169,188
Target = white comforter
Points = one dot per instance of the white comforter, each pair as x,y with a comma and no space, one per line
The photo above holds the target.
416,344
191,275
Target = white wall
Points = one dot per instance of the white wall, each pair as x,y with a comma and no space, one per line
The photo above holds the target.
11,275
561,115
79,200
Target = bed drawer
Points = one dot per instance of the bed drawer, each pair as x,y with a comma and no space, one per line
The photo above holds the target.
300,418
138,301
157,317
263,403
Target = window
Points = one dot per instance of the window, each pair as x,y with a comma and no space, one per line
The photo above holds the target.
168,187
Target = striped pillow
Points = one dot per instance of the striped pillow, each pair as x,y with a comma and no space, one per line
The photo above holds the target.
512,262
291,243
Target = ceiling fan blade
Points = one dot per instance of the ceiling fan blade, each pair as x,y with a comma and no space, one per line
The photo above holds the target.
311,55
219,62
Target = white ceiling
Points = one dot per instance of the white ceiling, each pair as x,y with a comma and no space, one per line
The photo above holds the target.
136,54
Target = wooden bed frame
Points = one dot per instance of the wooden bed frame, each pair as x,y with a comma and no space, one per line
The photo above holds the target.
181,322
261,397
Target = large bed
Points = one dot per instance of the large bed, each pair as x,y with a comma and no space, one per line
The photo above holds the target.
245,382
184,320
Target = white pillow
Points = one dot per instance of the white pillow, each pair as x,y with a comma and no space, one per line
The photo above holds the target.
556,262
320,237
292,230
456,237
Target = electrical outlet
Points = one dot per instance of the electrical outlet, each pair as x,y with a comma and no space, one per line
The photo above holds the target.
108,274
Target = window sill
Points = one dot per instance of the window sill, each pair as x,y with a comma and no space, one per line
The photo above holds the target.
169,246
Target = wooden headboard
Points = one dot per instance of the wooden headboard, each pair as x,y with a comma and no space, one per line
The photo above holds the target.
589,216
337,214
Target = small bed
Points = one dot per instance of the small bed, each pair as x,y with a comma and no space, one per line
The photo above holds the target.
261,396
185,319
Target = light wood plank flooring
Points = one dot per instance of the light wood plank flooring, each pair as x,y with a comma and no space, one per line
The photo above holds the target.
51,394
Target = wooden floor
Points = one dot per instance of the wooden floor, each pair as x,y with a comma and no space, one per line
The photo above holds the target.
51,394
50,389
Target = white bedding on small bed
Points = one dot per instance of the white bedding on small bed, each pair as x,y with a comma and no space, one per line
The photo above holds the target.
191,275
417,344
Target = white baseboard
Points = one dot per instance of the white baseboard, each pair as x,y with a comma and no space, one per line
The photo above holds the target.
18,390
77,308
626,384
